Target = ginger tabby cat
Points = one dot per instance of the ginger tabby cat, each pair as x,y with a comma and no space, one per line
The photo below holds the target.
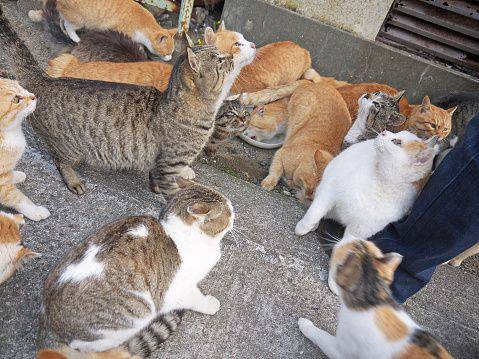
125,16
318,120
16,104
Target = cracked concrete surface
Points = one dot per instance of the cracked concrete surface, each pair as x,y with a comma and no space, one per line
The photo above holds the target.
265,280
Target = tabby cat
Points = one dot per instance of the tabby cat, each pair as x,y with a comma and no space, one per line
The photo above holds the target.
12,252
371,324
120,126
125,16
16,104
232,119
127,284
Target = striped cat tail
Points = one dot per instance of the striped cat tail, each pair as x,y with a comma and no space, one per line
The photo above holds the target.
150,338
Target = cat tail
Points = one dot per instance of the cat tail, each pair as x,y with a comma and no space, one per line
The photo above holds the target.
314,76
150,338
52,18
58,65
270,94
22,62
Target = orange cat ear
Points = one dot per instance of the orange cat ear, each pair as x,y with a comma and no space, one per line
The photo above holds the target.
210,36
222,26
451,110
426,104
172,32
193,61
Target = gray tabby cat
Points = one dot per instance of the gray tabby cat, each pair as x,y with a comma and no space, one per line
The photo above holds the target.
467,107
232,119
127,284
378,111
119,126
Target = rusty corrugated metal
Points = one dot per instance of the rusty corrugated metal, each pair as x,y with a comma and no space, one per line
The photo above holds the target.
447,30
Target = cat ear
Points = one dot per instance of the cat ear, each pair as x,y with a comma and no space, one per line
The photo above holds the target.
396,119
222,26
424,156
172,32
192,59
27,254
451,110
189,41
201,209
210,36
348,274
388,264
399,95
426,104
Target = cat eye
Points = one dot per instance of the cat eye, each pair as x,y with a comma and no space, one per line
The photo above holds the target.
238,44
17,99
433,126
396,141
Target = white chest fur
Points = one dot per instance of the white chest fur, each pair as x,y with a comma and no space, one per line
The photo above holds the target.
13,140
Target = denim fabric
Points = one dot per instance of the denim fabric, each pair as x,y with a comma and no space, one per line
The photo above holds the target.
443,222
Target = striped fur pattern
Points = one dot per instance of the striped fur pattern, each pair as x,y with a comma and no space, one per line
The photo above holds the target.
371,324
128,283
232,119
119,126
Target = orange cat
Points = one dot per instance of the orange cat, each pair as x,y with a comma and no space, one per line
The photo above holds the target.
12,252
268,120
147,73
67,353
125,16
318,120
16,104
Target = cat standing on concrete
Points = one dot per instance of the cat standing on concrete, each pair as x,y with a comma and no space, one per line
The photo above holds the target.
127,284
125,16
16,104
118,126
371,324
12,252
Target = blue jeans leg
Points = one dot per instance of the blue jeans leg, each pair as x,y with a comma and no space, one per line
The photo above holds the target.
443,222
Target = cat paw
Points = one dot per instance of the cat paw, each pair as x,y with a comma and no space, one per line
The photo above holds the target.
35,213
455,262
187,173
333,286
36,15
301,228
77,187
212,305
18,177
269,183
305,325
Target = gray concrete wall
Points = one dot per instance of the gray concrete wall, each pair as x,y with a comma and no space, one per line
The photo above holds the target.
362,18
342,55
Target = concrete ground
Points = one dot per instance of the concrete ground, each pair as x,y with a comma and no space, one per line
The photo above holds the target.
265,280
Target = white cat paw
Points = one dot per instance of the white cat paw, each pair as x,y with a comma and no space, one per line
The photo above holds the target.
212,305
18,177
35,213
305,325
333,286
302,228
187,173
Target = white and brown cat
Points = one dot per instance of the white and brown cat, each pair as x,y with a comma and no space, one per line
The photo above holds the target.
16,104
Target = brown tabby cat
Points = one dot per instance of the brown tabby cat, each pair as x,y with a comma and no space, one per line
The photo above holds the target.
371,323
127,284
12,252
118,126
318,120
125,16
16,104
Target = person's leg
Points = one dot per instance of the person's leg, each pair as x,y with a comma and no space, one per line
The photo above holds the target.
443,222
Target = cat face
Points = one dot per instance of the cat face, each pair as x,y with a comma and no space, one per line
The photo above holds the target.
363,272
203,207
427,120
405,151
383,110
231,43
12,252
211,69
16,103
163,43
233,116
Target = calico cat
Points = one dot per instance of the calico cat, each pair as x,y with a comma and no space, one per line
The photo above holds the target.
118,126
16,104
67,353
378,111
127,284
12,253
125,16
467,104
268,120
371,184
317,122
232,119
371,324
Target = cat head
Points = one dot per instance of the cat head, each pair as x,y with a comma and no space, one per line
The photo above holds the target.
405,155
427,120
16,104
266,122
233,116
201,207
12,252
364,273
383,110
163,43
231,43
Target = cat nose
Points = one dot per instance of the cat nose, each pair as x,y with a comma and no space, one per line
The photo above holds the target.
384,133
253,45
